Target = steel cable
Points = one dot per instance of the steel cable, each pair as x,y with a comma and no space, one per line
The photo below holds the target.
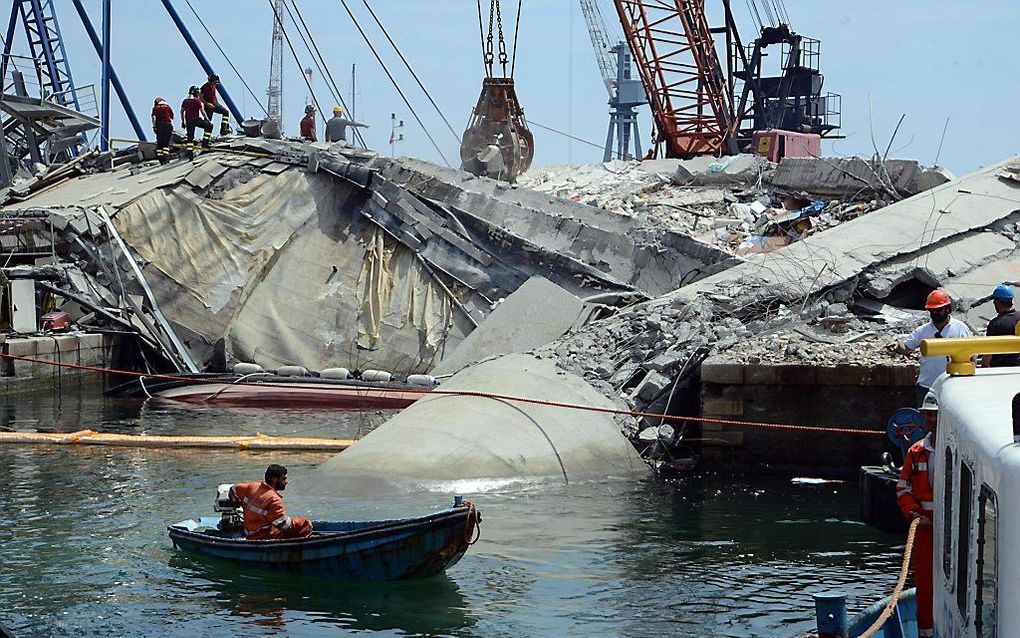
297,60
315,61
393,81
480,395
324,69
517,31
227,58
411,70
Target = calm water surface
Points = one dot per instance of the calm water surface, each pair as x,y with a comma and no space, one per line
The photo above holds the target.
84,551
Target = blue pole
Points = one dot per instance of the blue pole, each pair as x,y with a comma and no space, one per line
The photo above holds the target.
117,86
11,26
9,42
830,615
201,57
104,113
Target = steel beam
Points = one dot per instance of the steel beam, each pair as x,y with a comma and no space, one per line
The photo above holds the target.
183,28
104,113
8,43
117,86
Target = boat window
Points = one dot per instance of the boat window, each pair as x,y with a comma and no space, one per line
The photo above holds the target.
963,538
947,517
986,603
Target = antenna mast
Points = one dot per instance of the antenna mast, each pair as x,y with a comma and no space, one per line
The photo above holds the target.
275,92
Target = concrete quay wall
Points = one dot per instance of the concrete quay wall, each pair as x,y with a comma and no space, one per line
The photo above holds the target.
837,397
78,349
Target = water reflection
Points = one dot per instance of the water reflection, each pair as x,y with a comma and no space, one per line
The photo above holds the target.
426,607
84,550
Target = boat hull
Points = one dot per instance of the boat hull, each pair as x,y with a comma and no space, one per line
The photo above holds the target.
307,395
364,551
272,391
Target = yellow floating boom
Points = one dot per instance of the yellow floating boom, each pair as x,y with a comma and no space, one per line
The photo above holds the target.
257,442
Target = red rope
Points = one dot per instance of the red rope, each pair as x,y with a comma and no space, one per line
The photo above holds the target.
478,394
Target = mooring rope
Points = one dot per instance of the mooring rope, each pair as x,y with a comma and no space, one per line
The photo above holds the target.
895,597
480,395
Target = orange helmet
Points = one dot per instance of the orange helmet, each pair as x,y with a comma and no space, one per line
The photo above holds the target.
937,299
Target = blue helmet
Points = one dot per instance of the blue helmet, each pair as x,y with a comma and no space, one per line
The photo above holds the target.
1003,292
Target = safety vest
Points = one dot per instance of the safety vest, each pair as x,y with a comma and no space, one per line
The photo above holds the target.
914,491
263,508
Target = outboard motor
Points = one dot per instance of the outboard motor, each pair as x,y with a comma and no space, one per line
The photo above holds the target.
232,516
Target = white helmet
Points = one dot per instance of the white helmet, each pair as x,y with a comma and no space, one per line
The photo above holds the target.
931,402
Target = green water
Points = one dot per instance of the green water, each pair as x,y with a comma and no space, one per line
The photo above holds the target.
84,551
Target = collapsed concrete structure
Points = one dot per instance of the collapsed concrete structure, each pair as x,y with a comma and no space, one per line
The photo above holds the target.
318,255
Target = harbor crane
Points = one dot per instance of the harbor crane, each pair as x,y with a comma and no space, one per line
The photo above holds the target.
625,93
692,94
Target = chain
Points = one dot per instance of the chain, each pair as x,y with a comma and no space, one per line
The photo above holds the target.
503,59
488,57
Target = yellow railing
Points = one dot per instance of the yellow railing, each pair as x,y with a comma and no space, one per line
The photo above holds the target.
961,351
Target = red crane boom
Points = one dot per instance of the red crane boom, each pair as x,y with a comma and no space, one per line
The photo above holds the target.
687,89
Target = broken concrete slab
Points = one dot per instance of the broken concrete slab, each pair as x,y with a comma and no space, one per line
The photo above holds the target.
856,177
535,314
707,171
938,263
471,444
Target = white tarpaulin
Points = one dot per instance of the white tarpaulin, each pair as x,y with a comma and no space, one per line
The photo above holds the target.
287,271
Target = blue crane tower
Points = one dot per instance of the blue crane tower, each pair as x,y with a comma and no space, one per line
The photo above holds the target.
625,93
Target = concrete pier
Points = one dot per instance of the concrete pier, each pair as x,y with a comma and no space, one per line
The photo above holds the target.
838,396
79,349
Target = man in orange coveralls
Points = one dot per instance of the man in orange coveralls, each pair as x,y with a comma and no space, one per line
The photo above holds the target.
264,516
915,495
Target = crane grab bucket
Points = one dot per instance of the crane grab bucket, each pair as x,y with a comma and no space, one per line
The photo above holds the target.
497,142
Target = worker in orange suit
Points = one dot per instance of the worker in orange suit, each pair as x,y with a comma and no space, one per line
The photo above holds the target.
915,494
264,515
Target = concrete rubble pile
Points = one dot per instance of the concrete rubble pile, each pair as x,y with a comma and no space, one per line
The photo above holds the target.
831,299
743,204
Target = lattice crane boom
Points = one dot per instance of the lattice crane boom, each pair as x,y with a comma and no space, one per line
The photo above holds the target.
600,42
274,95
687,89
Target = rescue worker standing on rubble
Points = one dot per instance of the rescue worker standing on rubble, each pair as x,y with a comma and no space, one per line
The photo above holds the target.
212,104
264,515
308,125
915,494
192,117
1004,325
336,126
941,326
163,126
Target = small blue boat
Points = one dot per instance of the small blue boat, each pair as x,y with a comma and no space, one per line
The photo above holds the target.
385,550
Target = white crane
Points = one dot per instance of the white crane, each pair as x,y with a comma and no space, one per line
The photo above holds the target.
625,94
600,42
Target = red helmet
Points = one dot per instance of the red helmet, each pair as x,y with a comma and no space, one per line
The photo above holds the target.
937,299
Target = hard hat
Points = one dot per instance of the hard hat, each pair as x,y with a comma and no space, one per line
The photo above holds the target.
309,108
937,299
1004,292
931,402
338,109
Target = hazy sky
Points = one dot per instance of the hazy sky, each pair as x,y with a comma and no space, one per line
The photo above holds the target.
930,60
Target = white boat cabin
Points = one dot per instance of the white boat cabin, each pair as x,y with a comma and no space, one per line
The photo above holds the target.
977,506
